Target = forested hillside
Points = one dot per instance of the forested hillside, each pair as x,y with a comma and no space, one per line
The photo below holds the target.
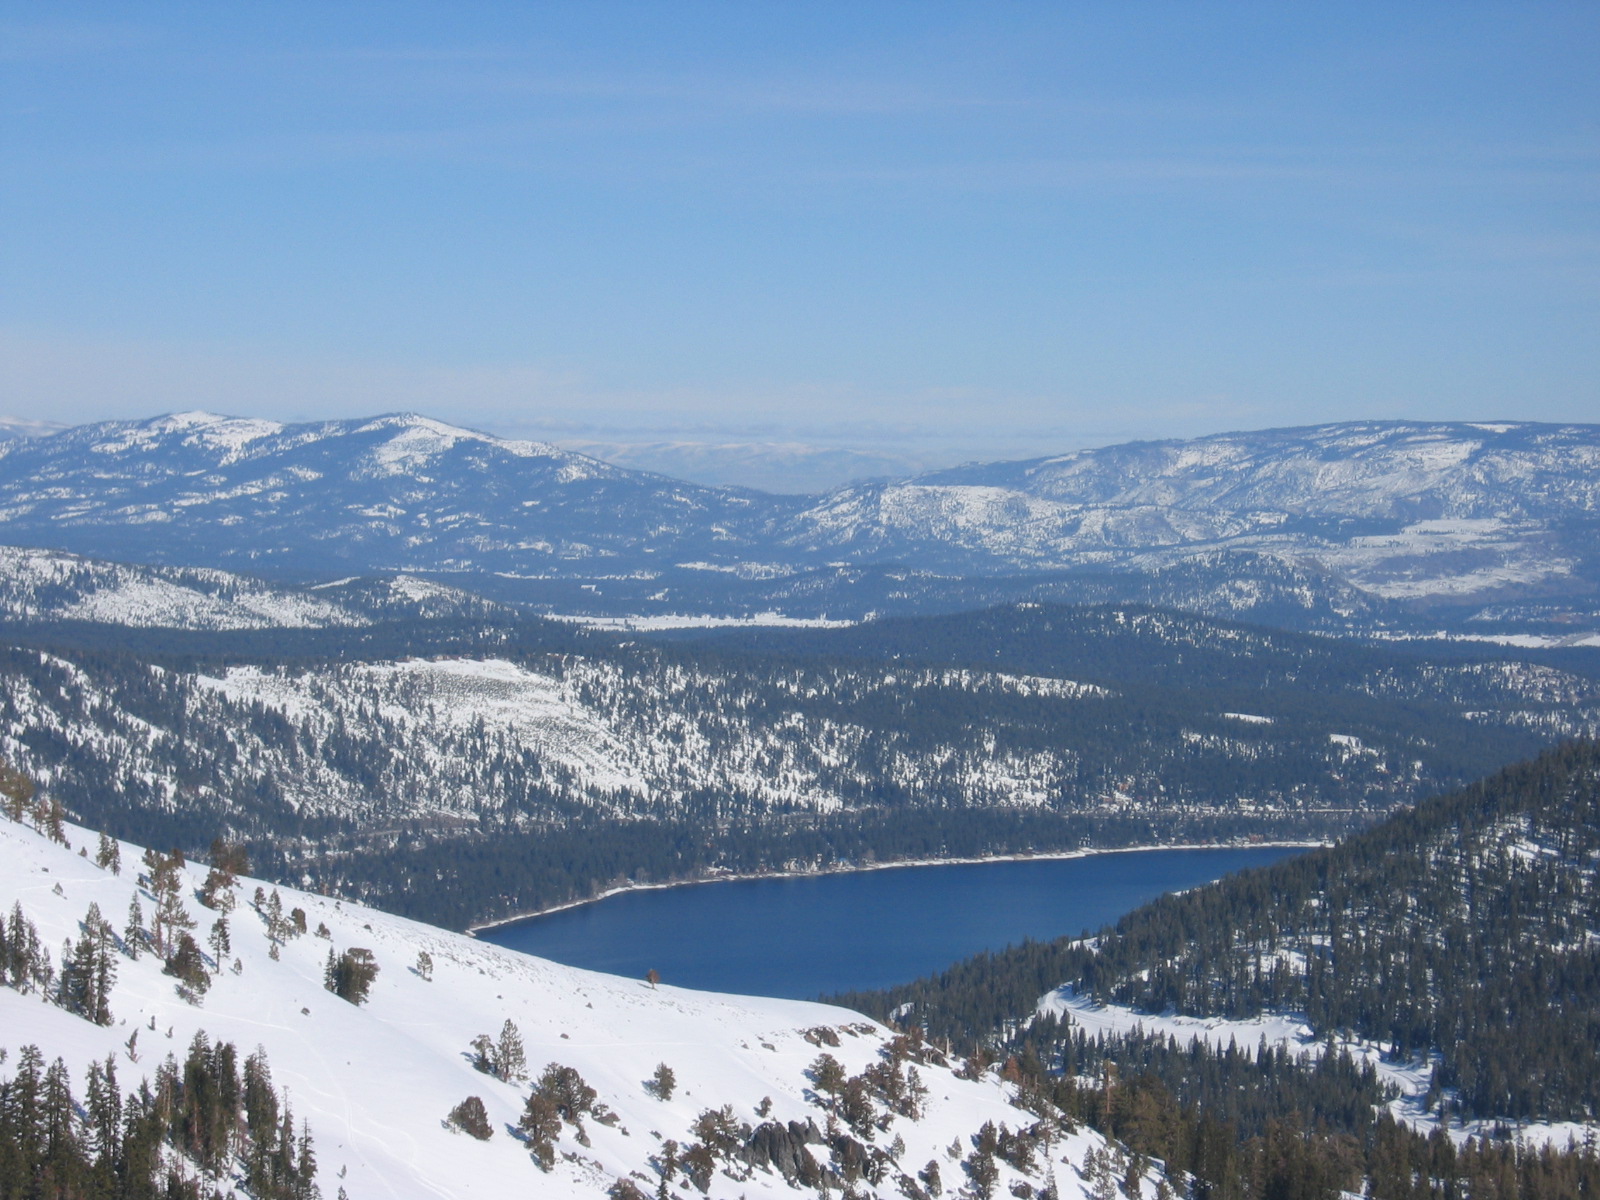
1467,929
1453,946
465,770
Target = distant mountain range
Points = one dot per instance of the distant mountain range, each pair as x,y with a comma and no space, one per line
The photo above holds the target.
1362,515
784,467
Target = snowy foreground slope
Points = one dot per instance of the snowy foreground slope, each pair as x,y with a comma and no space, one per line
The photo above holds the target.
375,1081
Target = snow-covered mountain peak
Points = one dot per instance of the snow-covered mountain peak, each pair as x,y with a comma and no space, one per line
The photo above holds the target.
222,436
418,439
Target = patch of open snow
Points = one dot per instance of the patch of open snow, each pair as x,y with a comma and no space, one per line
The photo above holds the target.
460,694
158,602
1534,641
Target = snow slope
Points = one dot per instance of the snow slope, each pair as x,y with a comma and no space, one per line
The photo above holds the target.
46,585
375,1081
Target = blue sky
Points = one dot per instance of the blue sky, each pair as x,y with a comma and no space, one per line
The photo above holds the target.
957,230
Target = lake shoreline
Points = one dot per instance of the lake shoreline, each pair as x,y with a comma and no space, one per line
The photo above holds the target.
896,864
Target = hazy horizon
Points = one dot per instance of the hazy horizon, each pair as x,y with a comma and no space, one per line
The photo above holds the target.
918,236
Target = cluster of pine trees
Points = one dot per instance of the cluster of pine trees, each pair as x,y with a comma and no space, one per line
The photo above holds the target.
88,967
193,1132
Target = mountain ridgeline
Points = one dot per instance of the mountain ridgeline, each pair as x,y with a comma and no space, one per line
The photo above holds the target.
1370,518
1461,929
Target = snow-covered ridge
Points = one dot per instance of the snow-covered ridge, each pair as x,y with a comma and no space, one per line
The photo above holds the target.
49,586
375,1081
45,585
1403,510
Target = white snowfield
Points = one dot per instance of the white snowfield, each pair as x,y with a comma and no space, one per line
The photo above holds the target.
1410,1080
376,1081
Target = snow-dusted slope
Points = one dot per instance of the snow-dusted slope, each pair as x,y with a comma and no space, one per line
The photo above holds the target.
1403,510
393,493
1364,469
490,739
45,585
1411,1079
470,742
1400,509
375,1081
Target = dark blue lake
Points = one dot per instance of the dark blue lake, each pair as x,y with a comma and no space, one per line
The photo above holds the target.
809,936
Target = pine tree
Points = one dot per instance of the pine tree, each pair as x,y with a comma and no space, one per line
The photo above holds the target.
510,1060
275,926
219,941
63,1157
188,964
134,936
103,1126
108,855
171,917
483,1047
77,967
350,975
541,1125
16,790
662,1083
305,1168
27,962
101,965
50,818
471,1117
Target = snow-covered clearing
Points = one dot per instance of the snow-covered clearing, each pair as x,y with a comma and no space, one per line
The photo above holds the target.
1410,1079
458,694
